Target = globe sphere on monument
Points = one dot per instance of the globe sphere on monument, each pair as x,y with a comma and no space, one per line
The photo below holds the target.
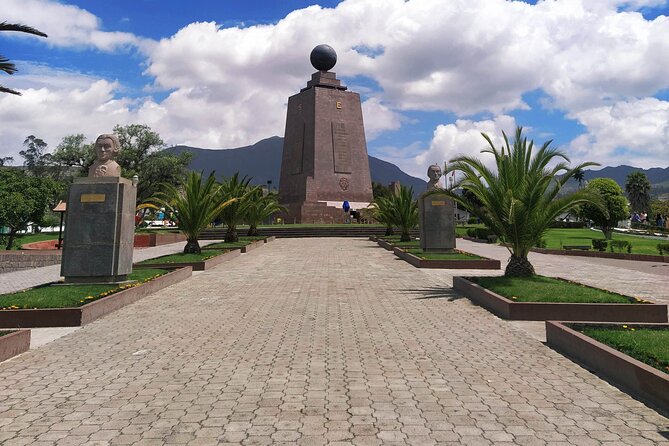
323,57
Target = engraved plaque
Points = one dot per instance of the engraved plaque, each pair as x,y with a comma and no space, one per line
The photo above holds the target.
341,152
438,203
92,198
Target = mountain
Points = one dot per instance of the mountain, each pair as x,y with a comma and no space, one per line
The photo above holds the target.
262,161
657,176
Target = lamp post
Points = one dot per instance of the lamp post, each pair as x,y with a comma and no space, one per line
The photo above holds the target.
269,186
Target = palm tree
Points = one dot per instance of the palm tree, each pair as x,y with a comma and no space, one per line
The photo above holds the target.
260,207
233,215
404,211
521,199
637,187
579,175
381,212
195,204
7,66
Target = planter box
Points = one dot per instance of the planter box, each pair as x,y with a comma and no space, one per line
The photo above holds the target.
604,255
251,246
635,377
270,239
18,260
373,238
197,266
559,311
145,240
385,245
484,263
74,317
13,344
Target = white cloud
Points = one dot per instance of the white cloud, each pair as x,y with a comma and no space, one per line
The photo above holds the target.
66,25
631,132
379,118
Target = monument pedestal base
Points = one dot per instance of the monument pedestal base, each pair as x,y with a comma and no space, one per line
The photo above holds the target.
437,223
99,230
314,212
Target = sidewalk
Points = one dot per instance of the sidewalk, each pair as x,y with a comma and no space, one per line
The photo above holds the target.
312,342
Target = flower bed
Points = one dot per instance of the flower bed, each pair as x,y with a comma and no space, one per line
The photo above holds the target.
464,261
561,311
14,343
91,307
215,257
636,377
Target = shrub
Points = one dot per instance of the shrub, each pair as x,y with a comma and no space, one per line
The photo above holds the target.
663,248
620,245
471,232
568,224
599,244
541,243
472,220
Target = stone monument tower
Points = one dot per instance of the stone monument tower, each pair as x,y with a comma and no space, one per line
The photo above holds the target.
100,221
324,150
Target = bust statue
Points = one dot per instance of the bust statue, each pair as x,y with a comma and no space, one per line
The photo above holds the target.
107,148
434,173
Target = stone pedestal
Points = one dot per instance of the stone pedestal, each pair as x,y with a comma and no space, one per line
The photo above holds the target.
437,223
324,152
99,230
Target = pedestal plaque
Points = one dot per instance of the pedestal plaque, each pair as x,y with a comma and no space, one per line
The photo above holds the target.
437,223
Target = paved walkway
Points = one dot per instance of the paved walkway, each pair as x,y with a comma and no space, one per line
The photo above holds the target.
311,341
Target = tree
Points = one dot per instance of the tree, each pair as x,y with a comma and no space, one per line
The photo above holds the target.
74,152
233,215
260,207
381,212
613,205
142,155
521,199
379,190
579,175
659,207
6,160
404,211
35,157
637,187
195,204
24,199
7,66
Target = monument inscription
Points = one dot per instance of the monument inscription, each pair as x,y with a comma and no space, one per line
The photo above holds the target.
342,154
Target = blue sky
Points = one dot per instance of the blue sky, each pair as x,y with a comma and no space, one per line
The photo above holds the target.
589,74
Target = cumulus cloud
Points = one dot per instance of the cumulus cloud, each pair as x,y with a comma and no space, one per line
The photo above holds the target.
66,25
597,60
633,132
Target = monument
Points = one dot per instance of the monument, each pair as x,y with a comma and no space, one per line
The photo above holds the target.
324,159
436,212
100,221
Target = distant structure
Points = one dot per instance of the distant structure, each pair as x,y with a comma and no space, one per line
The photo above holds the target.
324,161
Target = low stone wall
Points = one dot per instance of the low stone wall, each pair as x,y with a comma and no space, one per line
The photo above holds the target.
19,260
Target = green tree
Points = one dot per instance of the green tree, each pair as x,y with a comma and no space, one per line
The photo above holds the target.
195,203
74,152
404,210
522,198
613,206
260,207
659,207
6,160
579,175
637,187
382,212
7,66
379,190
233,215
35,156
142,155
24,199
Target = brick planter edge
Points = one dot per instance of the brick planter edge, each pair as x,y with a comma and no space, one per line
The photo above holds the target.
13,344
484,263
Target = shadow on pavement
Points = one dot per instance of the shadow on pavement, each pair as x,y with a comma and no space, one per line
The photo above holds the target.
434,293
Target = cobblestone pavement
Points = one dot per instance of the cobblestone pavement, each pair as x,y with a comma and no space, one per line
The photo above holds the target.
309,342
19,280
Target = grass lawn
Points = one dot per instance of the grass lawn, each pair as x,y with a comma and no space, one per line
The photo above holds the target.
547,289
648,345
185,258
243,241
461,230
455,255
556,238
64,296
29,238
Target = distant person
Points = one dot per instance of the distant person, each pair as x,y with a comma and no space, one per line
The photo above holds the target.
636,218
660,221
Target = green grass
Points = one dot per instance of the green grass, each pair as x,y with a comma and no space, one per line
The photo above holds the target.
29,238
243,241
47,296
455,255
556,238
547,289
648,345
185,258
461,231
